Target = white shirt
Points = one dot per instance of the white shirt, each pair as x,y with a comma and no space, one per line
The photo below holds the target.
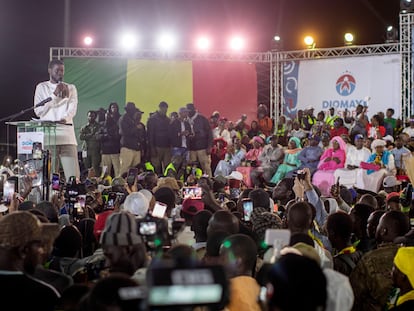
355,156
409,130
58,109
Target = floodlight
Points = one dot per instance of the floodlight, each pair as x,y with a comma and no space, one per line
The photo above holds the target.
128,41
203,43
237,43
407,6
349,38
277,38
167,41
391,35
88,40
310,42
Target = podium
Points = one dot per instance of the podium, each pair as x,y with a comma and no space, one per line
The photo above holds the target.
37,165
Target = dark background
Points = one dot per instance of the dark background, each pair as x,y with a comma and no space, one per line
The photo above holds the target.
28,28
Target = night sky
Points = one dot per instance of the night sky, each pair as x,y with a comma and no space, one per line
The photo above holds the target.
29,27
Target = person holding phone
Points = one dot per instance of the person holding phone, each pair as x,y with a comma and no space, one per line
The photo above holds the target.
57,101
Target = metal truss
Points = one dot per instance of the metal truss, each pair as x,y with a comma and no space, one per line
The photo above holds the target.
406,52
59,52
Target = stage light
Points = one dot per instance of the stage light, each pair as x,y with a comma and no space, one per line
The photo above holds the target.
88,41
407,6
167,41
349,38
128,41
310,42
391,35
237,43
203,43
276,43
276,38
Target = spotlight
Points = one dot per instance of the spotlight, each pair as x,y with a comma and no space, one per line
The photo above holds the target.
391,35
310,42
277,38
167,41
128,41
203,43
88,41
237,43
349,38
407,6
276,43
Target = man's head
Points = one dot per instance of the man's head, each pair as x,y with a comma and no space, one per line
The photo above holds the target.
163,108
359,215
223,221
283,191
122,246
238,253
372,224
91,116
391,225
23,239
339,227
56,70
274,141
200,224
191,110
359,141
260,198
403,269
390,112
332,111
183,113
299,217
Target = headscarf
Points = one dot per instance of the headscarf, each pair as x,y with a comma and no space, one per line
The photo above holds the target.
298,146
342,144
258,139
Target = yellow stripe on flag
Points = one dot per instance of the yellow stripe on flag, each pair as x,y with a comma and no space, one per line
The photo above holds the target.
149,82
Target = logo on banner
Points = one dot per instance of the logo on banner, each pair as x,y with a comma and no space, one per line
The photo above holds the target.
345,85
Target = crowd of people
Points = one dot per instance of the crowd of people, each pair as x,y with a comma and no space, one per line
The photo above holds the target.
188,193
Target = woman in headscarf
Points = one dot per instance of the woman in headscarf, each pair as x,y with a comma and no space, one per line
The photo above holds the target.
253,154
332,158
384,160
290,162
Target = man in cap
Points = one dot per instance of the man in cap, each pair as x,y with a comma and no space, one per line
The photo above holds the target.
22,246
403,278
371,278
133,137
180,130
309,119
159,138
201,139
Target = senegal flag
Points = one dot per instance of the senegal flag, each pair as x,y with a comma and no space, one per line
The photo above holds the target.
228,87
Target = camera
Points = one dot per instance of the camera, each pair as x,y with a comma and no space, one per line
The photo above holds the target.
301,174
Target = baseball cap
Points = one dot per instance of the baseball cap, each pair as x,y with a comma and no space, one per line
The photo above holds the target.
192,206
19,228
137,204
235,175
183,109
390,181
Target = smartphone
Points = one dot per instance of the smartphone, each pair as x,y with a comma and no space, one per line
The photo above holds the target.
132,175
55,181
8,191
37,150
111,200
82,200
192,192
159,210
247,209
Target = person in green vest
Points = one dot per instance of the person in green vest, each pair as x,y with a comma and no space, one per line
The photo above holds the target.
331,117
193,173
176,168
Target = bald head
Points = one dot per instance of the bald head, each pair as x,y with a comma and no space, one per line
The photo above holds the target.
392,225
223,221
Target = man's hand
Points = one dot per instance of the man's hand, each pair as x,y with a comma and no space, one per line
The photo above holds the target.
299,189
62,90
307,182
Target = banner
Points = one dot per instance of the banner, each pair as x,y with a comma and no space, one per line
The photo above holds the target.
343,83
25,141
229,87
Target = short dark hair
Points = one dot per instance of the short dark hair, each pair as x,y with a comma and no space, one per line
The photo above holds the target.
341,224
391,110
55,62
260,198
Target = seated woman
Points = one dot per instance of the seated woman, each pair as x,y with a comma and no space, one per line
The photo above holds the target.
290,162
235,154
372,179
331,159
254,129
253,154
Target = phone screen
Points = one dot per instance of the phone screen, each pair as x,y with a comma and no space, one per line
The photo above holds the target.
147,228
159,210
132,174
247,209
192,192
8,191
55,182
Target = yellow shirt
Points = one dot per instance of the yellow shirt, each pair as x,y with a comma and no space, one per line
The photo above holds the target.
244,294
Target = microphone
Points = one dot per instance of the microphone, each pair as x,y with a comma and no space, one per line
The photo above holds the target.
43,102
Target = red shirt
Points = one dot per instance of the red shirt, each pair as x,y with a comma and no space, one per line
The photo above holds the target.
339,131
